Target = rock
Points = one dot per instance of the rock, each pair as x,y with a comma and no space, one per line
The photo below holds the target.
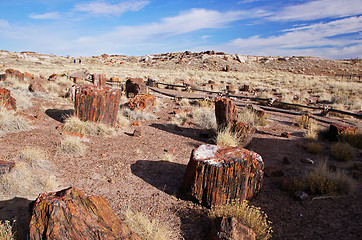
97,104
70,214
151,82
6,166
99,80
336,129
273,171
225,112
137,124
301,195
83,74
6,99
2,77
135,86
308,160
53,77
285,135
138,132
226,68
36,86
142,103
230,228
11,73
231,89
216,175
247,88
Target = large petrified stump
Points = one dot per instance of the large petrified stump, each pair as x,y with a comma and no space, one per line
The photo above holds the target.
97,104
7,100
135,86
216,175
70,214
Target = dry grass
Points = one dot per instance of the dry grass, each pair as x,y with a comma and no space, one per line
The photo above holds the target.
342,151
205,118
74,124
314,147
354,139
147,229
250,117
167,156
136,115
6,230
122,121
225,137
184,102
10,122
323,181
30,176
251,216
303,121
71,145
312,131
179,119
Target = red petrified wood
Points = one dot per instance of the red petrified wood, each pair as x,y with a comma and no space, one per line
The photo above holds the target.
14,74
229,228
97,104
70,214
336,129
216,175
7,100
135,86
142,102
99,80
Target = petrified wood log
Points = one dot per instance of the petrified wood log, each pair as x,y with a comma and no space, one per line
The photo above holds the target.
245,132
142,103
7,100
70,214
225,112
216,175
97,104
99,80
336,129
230,228
135,86
14,74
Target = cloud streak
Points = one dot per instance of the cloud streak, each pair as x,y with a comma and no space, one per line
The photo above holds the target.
45,16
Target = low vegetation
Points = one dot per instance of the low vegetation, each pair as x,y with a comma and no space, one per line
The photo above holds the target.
10,122
71,145
250,117
136,115
74,124
303,121
225,137
6,232
204,118
251,216
179,119
354,139
342,151
314,147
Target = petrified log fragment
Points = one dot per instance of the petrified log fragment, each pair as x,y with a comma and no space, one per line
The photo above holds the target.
70,214
53,77
216,175
336,129
135,86
245,132
2,77
99,80
14,74
225,112
142,103
7,100
97,104
230,228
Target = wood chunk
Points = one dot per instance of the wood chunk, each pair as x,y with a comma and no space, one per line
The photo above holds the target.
216,175
135,86
6,99
225,112
142,103
230,228
336,129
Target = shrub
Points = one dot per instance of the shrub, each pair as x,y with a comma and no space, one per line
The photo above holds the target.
71,145
354,139
250,117
74,124
6,232
323,181
122,120
10,122
205,118
136,115
312,131
225,137
342,151
303,121
251,216
179,119
314,147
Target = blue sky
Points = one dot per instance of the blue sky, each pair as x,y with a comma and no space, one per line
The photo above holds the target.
322,28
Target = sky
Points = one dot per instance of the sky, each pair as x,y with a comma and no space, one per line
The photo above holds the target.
321,28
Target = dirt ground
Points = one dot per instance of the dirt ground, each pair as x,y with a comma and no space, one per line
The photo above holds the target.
130,173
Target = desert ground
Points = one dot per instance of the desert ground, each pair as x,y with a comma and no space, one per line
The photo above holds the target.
143,175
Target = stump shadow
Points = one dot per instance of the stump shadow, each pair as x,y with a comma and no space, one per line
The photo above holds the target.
193,133
17,209
164,175
59,114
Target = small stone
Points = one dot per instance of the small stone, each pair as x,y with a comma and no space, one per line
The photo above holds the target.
171,150
308,160
111,181
273,172
137,124
301,195
285,135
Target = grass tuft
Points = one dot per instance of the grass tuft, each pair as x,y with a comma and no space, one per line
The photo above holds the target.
250,117
225,137
205,118
6,230
10,122
136,115
303,121
252,217
314,147
342,151
71,145
74,124
179,119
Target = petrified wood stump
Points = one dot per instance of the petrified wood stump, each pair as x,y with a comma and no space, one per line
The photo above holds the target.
99,80
97,104
7,100
225,112
216,175
135,86
336,129
142,103
70,214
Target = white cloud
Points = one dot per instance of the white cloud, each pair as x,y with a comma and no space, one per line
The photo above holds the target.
319,9
45,16
102,8
4,24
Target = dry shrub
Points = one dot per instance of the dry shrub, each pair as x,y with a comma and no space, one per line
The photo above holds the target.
6,232
303,121
342,151
225,137
179,119
252,217
146,228
23,98
10,122
136,115
314,147
323,181
74,124
354,139
123,121
71,145
167,156
205,103
184,102
312,131
250,117
205,118
30,176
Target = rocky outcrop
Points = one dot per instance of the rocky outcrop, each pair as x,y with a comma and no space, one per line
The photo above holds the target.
230,228
142,103
135,86
97,104
6,99
53,77
70,214
216,175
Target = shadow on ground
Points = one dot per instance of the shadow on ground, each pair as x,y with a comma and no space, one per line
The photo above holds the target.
164,175
17,209
59,114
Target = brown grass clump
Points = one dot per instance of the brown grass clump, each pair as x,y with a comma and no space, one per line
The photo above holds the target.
250,117
314,147
205,118
354,139
303,121
342,151
136,115
71,145
6,232
323,181
74,124
312,131
146,228
225,137
179,119
10,122
251,216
